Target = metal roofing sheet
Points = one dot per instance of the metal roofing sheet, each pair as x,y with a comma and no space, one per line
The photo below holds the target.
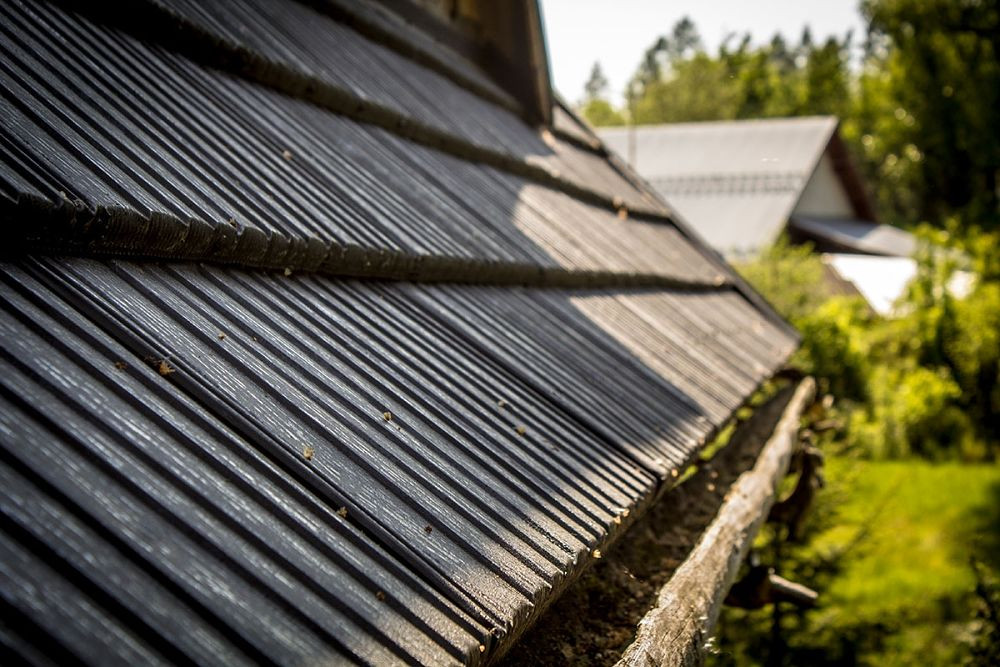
857,235
647,409
212,463
713,347
316,45
382,25
739,224
225,461
570,125
725,148
586,166
735,182
193,393
205,163
263,35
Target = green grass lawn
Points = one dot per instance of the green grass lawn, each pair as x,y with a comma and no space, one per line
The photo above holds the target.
891,556
919,524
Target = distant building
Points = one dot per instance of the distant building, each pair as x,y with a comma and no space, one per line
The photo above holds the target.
741,184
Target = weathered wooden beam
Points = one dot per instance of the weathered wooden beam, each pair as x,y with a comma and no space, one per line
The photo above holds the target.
675,631
783,590
761,586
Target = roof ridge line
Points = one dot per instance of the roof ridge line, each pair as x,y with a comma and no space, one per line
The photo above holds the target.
33,224
162,26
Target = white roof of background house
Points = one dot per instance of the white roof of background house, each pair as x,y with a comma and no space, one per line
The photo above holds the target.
738,182
883,280
767,147
858,235
880,280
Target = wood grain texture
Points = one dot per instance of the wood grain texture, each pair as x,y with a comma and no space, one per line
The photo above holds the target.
675,631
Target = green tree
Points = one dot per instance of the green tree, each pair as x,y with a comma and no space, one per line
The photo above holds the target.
596,108
920,115
678,80
826,78
697,89
685,41
600,113
943,70
650,67
597,84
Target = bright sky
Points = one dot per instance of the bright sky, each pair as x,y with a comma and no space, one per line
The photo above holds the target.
617,32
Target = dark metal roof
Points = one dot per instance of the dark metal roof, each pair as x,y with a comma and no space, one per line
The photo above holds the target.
283,380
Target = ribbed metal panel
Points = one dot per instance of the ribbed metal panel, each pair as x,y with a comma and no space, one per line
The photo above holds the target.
381,25
658,409
228,465
310,42
313,45
771,146
588,238
183,452
859,236
193,162
565,123
735,182
592,169
714,347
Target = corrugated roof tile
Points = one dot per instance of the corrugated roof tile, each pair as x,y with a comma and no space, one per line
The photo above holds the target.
211,462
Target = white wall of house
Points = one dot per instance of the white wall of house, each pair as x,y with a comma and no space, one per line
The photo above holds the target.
824,195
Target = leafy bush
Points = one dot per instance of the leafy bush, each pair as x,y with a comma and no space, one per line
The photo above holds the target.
790,277
909,412
600,113
925,383
832,349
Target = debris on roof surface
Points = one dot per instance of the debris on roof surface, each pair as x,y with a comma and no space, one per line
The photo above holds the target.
313,349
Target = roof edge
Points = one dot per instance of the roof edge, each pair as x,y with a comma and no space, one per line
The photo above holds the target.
775,120
672,633
510,45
